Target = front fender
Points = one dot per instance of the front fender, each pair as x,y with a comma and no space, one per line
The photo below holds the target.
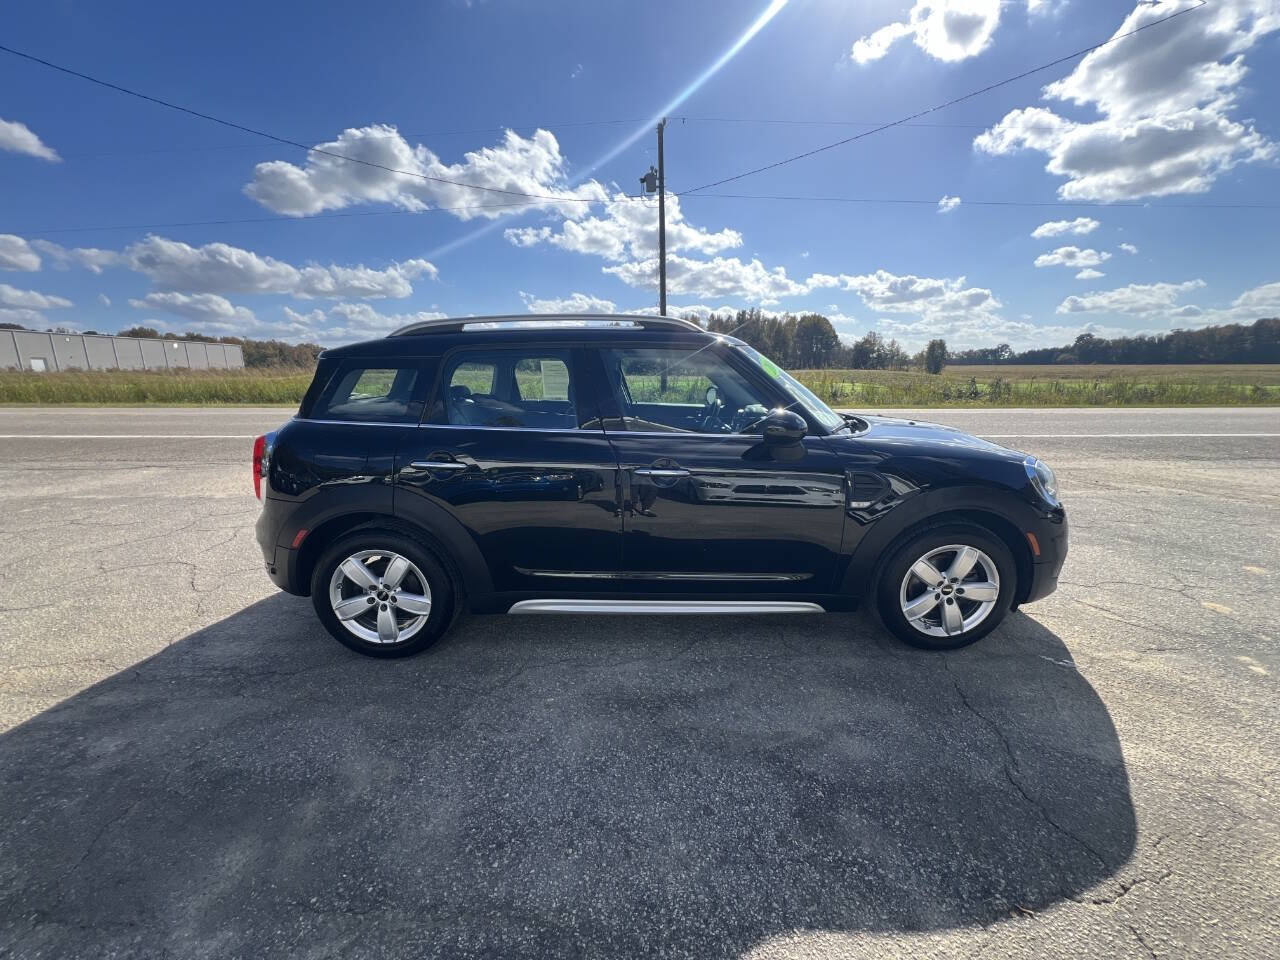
1009,516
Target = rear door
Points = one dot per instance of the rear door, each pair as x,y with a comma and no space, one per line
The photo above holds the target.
707,505
513,448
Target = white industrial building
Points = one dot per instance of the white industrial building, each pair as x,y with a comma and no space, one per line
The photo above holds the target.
31,350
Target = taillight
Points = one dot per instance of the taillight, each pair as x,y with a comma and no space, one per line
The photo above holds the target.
259,452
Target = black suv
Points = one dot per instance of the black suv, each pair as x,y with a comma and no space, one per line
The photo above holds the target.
631,465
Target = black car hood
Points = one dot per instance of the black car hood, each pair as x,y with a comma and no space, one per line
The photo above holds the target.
895,436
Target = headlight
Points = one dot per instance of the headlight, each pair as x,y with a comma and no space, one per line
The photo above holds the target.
1043,480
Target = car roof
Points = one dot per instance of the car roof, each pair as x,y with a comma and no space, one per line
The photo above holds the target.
431,338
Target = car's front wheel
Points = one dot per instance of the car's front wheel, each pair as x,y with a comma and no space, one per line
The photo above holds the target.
382,594
947,586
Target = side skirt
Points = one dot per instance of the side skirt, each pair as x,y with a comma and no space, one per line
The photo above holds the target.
664,606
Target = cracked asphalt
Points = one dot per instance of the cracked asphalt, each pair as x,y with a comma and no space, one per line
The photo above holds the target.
190,767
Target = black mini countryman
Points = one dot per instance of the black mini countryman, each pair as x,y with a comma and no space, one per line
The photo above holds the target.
631,465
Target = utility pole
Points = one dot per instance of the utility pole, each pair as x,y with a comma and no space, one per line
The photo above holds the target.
662,225
655,181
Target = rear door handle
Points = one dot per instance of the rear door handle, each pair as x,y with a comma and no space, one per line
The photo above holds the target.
661,472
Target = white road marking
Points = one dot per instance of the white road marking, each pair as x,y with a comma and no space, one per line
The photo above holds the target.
127,436
250,436
1114,436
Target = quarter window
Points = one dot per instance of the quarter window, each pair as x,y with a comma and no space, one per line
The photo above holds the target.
373,394
509,388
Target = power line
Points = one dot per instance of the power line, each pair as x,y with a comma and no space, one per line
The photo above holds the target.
239,220
995,203
319,139
942,106
284,140
907,201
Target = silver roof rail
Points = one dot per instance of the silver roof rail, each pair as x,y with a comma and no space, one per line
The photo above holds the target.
550,320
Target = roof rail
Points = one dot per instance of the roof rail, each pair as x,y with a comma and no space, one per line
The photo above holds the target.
527,320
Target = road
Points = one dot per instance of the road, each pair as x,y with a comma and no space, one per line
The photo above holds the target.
190,767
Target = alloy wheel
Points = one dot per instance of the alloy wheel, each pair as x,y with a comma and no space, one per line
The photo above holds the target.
379,596
949,590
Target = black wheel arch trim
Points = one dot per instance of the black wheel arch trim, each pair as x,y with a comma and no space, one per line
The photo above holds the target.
994,509
325,521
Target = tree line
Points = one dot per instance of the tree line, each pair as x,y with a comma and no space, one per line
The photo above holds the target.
1257,342
808,341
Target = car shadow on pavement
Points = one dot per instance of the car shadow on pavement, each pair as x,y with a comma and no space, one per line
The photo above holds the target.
550,786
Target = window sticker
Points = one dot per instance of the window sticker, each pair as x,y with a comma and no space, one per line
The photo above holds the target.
555,380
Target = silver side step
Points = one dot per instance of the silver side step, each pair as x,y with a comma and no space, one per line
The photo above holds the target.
664,606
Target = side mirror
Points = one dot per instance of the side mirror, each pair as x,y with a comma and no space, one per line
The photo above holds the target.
783,426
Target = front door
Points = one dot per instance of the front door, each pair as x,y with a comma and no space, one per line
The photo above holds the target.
513,449
707,505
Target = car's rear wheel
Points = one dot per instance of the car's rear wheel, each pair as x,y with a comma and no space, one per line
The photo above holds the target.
947,586
382,593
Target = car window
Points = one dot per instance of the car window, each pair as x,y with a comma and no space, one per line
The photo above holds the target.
519,389
374,394
684,389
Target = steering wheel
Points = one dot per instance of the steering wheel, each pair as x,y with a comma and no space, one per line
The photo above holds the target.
712,410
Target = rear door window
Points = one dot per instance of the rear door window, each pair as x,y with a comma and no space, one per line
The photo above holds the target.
374,393
533,388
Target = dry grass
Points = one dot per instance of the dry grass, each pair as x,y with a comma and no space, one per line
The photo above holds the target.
1066,385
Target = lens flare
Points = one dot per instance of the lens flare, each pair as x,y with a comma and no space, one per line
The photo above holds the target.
760,22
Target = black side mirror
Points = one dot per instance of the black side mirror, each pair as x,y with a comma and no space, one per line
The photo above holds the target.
783,426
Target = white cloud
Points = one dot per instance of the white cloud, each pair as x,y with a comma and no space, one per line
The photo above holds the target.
21,315
1136,299
346,322
1128,248
944,29
947,204
720,277
626,229
17,137
520,165
574,303
221,268
929,297
16,254
1088,273
1072,257
31,299
92,259
207,309
104,300
1056,228
1163,98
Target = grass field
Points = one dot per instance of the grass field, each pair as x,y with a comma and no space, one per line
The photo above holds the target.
1065,385
1010,386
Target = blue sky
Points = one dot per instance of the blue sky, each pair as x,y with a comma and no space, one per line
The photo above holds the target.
1124,152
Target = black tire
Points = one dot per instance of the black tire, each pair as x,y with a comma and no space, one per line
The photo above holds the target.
918,545
443,595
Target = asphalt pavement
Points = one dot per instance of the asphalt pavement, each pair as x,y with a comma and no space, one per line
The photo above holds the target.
191,767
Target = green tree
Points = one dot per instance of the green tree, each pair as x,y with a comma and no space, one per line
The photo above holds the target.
935,356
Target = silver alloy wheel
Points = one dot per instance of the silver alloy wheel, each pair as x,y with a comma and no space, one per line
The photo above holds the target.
950,590
379,596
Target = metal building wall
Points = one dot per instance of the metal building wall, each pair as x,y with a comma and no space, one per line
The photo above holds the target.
32,350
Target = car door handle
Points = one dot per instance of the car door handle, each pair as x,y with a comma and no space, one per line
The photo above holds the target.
438,465
661,472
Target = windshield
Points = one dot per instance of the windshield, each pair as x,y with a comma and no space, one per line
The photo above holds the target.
805,397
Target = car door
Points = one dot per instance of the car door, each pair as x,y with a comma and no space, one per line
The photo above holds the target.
707,505
513,449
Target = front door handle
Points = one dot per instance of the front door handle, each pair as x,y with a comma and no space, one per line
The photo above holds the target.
662,473
438,465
